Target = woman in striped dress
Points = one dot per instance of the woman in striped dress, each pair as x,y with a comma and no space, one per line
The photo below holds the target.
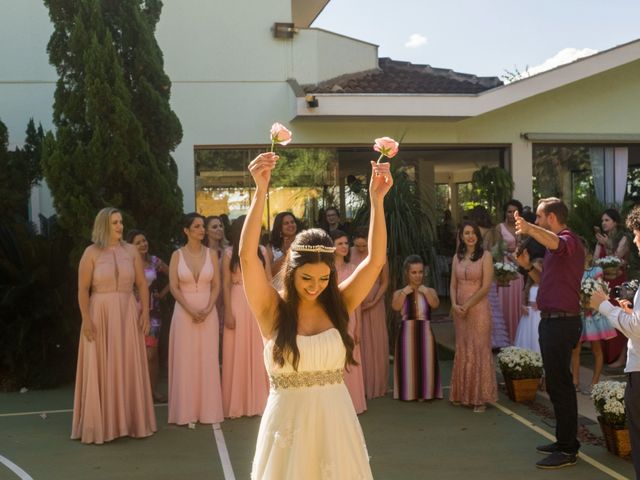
416,371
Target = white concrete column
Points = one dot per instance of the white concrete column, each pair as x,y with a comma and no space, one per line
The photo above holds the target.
522,170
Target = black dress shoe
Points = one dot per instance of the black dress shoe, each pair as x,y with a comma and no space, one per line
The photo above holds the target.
547,449
557,460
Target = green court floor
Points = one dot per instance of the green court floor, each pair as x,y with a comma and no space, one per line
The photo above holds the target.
430,440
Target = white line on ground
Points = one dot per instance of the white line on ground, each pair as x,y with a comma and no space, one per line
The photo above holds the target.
223,452
40,412
592,461
15,468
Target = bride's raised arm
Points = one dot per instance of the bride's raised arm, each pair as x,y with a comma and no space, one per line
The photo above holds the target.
262,297
355,288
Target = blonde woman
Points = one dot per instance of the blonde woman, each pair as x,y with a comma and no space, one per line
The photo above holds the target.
113,395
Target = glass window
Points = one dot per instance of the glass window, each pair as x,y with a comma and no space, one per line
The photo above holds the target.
562,171
303,182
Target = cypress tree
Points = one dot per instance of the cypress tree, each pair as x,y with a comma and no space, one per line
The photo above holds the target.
101,154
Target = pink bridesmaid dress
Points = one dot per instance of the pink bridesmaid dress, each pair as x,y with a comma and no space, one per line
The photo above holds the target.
511,297
473,378
353,376
245,385
375,346
194,368
113,396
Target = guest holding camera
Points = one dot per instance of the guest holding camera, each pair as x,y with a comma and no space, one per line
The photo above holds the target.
626,318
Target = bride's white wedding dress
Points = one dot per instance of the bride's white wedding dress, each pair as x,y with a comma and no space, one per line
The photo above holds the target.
309,429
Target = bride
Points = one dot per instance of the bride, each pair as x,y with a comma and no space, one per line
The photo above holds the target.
309,428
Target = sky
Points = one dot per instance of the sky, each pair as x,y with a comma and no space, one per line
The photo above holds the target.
486,38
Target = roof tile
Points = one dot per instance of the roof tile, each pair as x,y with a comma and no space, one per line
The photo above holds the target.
404,77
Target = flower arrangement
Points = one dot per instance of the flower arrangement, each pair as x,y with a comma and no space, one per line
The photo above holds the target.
608,262
590,285
610,265
608,398
505,272
518,363
280,135
387,147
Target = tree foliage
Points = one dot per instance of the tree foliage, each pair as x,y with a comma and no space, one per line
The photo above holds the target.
115,129
19,171
493,186
410,227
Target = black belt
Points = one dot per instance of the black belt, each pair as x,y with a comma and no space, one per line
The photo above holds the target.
547,315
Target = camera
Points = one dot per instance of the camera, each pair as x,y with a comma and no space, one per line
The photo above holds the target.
627,290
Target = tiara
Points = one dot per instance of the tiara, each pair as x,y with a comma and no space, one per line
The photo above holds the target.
313,249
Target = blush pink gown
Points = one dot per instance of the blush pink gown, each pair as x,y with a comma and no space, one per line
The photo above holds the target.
353,377
194,369
511,297
375,342
245,385
113,396
473,379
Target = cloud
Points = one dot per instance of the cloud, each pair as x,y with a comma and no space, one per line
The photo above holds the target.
564,56
416,40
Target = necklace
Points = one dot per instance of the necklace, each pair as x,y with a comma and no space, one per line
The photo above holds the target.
194,255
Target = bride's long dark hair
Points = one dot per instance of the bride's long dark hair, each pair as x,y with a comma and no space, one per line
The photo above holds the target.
285,344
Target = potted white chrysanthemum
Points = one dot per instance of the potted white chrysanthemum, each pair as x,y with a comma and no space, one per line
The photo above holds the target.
608,398
522,370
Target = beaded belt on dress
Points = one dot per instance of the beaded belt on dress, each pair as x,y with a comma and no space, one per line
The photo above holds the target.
306,379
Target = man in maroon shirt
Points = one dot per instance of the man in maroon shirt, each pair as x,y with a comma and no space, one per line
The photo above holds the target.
560,324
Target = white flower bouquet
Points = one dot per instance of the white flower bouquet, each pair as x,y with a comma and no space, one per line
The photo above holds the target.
505,272
611,266
590,285
518,363
608,398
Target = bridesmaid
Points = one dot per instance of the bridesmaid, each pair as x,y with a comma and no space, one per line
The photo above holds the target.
375,336
353,376
215,239
194,373
511,297
473,379
283,233
245,385
152,267
417,373
490,238
112,396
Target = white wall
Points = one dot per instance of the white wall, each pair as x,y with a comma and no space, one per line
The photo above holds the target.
319,55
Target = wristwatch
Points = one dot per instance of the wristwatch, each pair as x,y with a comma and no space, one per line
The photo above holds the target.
530,268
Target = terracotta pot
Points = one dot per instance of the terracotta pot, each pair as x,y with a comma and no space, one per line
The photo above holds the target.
522,389
616,439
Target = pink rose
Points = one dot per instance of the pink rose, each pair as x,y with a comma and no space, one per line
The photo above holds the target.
280,135
387,147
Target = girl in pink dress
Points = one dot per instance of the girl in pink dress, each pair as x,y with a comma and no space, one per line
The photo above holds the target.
112,396
245,385
375,335
194,369
473,379
353,376
511,297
